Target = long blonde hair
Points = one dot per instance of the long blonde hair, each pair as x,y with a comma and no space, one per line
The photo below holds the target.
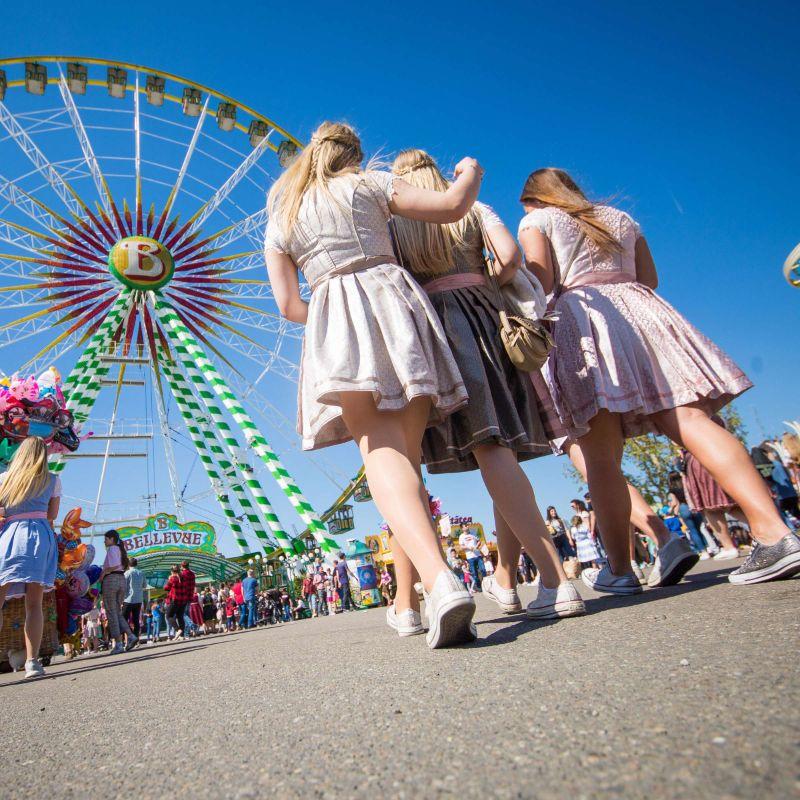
555,187
27,476
334,149
427,248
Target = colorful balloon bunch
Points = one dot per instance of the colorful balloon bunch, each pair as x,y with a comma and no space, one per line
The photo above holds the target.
75,575
35,407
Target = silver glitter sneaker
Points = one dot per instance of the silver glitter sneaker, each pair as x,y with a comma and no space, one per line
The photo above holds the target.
770,562
449,609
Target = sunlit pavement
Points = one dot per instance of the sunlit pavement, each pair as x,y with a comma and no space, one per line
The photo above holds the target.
684,692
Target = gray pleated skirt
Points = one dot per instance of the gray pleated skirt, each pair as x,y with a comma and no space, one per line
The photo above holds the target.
503,409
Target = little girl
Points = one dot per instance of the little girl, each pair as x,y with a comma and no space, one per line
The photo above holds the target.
585,546
29,501
331,597
627,363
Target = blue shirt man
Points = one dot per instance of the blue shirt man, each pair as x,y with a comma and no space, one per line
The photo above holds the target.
249,588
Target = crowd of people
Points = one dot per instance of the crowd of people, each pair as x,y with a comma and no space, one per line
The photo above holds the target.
120,622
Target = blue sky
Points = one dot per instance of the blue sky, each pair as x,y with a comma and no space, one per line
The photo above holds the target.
687,114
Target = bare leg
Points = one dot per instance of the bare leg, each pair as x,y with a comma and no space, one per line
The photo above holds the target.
34,619
642,516
406,575
508,549
602,451
393,478
405,572
719,525
513,496
727,461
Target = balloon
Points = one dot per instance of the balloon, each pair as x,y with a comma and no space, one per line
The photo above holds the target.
72,626
72,557
80,605
77,583
93,593
88,557
93,572
72,524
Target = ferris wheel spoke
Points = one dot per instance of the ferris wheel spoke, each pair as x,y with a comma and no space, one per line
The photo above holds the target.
18,236
137,157
183,170
51,356
260,355
211,205
21,330
243,227
25,203
59,185
267,323
23,295
89,156
15,265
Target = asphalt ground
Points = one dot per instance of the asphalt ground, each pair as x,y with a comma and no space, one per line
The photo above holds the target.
684,692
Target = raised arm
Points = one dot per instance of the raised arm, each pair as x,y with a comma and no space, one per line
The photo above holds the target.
538,259
504,246
286,286
431,206
646,273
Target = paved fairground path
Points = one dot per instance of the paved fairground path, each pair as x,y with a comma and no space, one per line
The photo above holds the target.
685,692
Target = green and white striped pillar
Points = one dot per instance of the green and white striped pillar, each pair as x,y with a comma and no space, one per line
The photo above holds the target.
198,380
83,384
208,449
202,372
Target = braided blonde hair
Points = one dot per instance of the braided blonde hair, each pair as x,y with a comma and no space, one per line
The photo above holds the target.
555,187
334,150
427,248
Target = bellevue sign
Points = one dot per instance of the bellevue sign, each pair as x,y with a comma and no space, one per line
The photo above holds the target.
163,532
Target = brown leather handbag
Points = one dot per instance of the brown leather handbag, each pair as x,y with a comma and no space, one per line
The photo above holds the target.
527,341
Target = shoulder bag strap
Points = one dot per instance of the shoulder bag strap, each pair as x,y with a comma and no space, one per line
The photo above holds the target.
491,261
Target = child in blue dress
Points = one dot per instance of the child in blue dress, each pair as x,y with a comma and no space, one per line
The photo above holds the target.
29,500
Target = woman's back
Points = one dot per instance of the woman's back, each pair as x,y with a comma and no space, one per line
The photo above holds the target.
34,504
563,232
339,227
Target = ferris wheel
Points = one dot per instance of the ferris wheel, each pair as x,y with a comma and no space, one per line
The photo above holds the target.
132,204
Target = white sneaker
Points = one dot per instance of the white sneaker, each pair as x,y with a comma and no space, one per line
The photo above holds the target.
604,580
637,571
406,623
673,561
704,556
562,601
449,609
34,668
726,554
507,599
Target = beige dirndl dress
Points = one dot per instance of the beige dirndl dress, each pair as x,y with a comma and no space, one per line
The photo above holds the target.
370,327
